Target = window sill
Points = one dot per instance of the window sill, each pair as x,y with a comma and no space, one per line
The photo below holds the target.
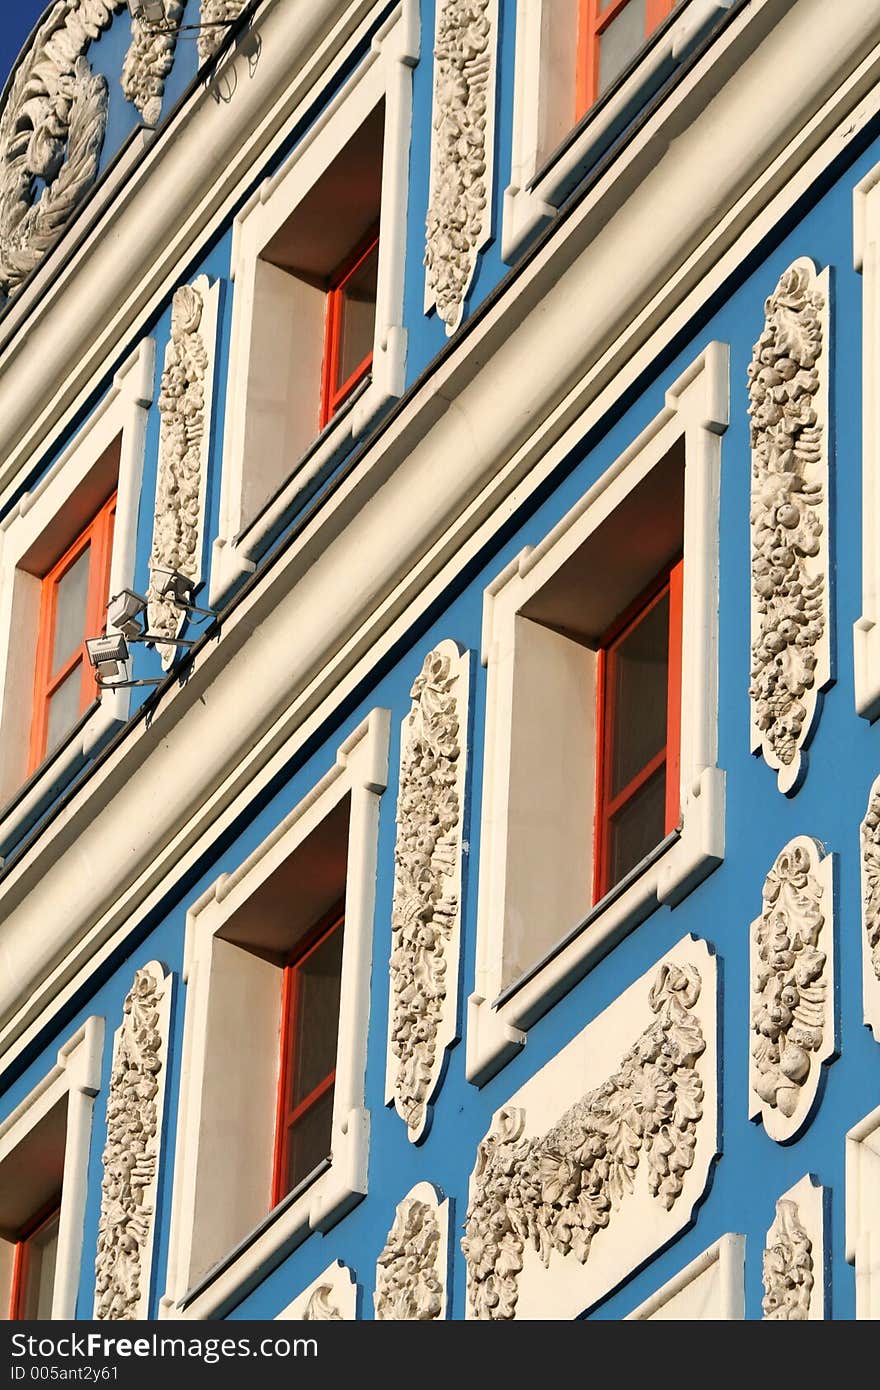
534,200
497,1030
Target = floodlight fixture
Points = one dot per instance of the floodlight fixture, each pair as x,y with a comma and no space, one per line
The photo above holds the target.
153,11
124,612
108,655
177,588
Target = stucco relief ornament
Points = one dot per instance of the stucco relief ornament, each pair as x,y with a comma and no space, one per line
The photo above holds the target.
51,133
131,1155
459,210
321,1308
788,385
788,1267
427,884
177,526
870,844
150,59
555,1192
410,1273
219,13
792,1022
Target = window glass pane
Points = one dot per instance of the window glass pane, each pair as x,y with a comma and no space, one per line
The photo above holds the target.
637,827
639,678
309,1139
620,42
42,1249
358,317
71,593
316,1017
64,708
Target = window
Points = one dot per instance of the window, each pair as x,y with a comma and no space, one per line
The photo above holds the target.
307,1071
639,692
44,1157
318,345
273,1130
602,797
73,600
610,34
33,1270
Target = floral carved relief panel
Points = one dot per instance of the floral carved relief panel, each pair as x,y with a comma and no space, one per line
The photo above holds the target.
459,210
870,866
332,1297
185,400
566,1199
412,1268
792,987
788,406
131,1157
426,911
794,1257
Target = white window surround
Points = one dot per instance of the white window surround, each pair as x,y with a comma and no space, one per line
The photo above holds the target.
710,1288
866,629
76,1080
696,411
213,983
330,1297
543,98
863,1213
122,414
384,75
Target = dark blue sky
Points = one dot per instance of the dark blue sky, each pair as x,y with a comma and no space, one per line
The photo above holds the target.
19,18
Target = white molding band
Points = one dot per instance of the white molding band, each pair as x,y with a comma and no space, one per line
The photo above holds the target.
534,1247
869,859
332,1297
794,1261
121,414
133,1152
459,220
412,1270
517,871
186,400
75,1080
710,1289
791,607
866,629
792,988
863,1213
219,1202
426,911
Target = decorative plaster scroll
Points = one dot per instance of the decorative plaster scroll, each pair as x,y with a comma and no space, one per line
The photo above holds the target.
51,134
870,845
459,207
149,60
788,390
794,1257
131,1156
332,1297
792,970
184,443
411,1271
216,13
617,1173
426,913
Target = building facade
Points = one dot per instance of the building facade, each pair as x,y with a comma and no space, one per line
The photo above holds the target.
439,519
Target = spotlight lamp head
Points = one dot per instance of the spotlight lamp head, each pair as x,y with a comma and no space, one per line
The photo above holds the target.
171,584
108,655
124,612
151,10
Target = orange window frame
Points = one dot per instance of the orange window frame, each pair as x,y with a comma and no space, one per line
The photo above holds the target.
288,1115
593,20
21,1256
608,805
99,536
333,396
